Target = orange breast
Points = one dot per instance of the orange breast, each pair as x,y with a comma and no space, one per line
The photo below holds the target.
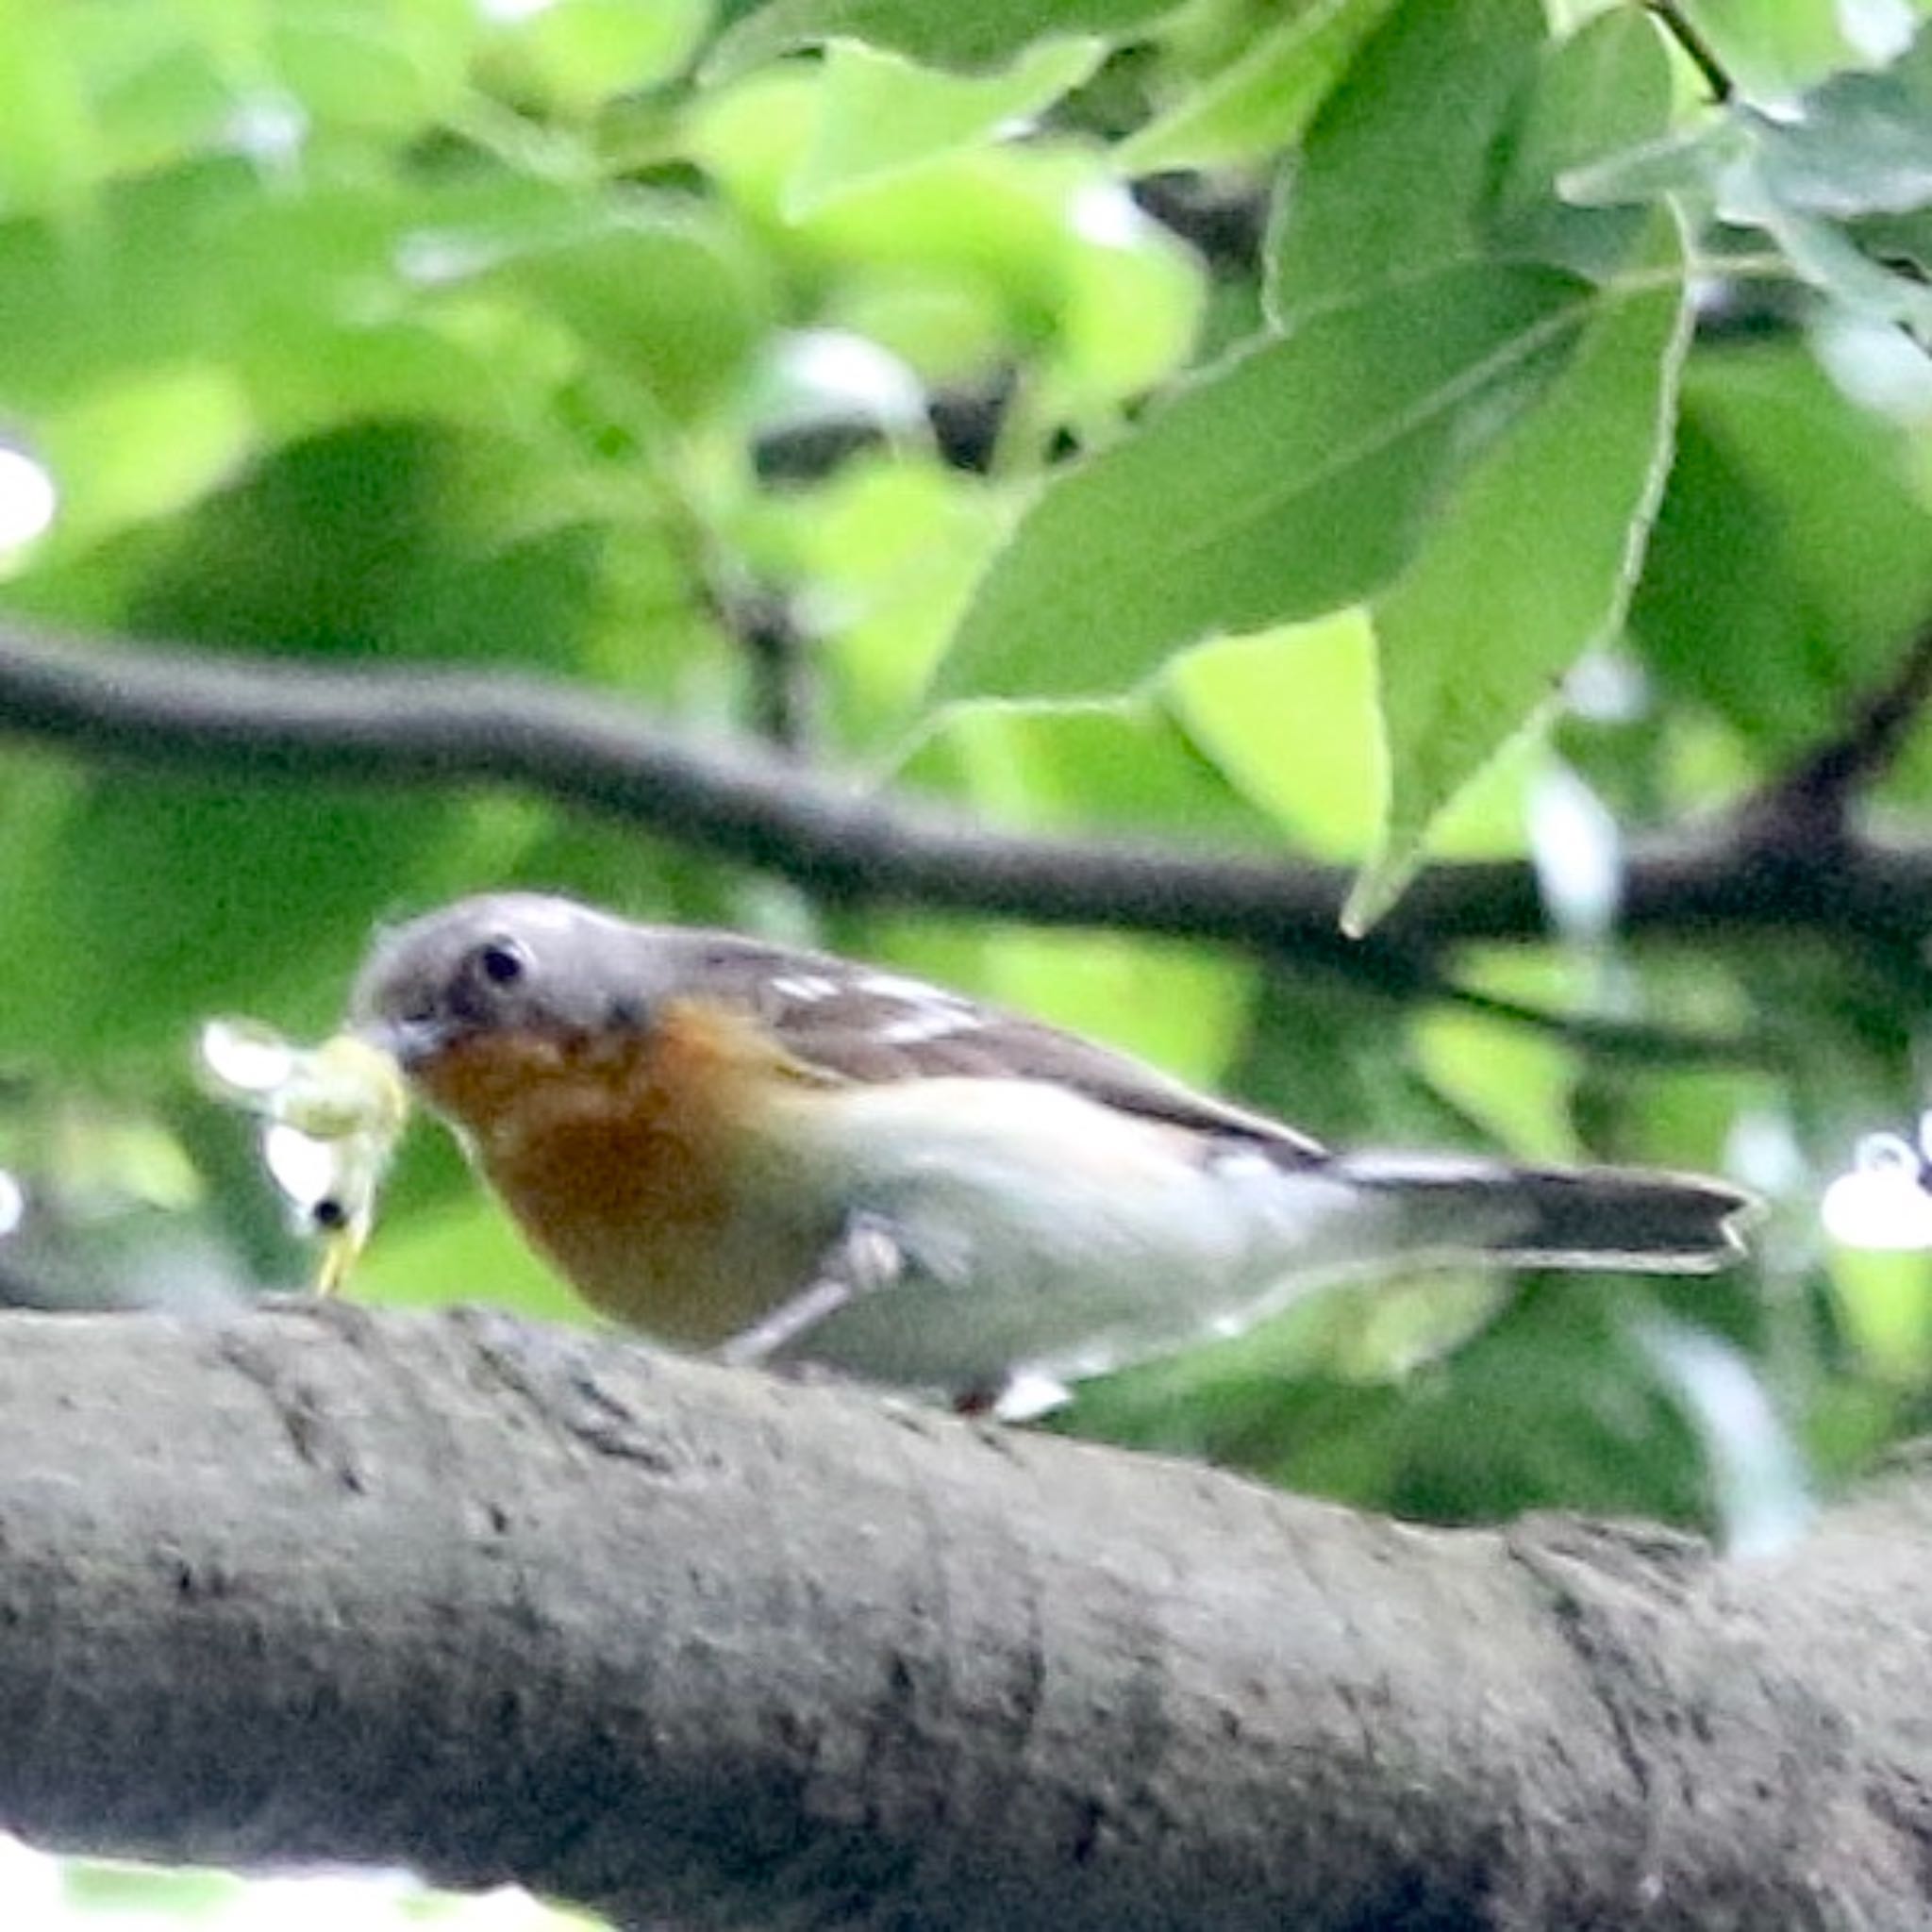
635,1164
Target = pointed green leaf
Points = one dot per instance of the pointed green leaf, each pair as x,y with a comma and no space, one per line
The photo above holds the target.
1826,256
1688,161
51,147
1774,49
1530,565
963,33
1862,147
879,113
1863,144
575,55
1290,480
1792,554
1049,767
663,293
1398,169
1290,716
1261,102
1604,88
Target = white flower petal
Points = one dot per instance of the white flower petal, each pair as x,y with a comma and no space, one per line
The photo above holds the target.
1880,1207
246,1057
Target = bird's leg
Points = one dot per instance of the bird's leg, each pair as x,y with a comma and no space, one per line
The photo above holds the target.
865,1257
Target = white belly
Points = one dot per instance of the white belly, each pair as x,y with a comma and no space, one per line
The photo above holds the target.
1045,1232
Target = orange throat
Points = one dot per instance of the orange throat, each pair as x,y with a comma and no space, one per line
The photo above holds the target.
626,1157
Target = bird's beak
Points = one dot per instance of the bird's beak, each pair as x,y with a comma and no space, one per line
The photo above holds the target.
411,1043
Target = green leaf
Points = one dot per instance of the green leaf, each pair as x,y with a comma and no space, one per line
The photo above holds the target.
49,153
1260,102
328,301
140,290
1290,716
1725,165
1530,564
1860,146
966,33
658,291
1447,144
346,302
397,539
879,113
384,71
1792,554
1071,767
1399,168
1131,299
1011,253
160,80
1516,1082
166,902
157,441
1605,88
1681,162
1554,1402
897,541
1828,257
577,55
1774,49
1884,1302
1290,480
1333,1057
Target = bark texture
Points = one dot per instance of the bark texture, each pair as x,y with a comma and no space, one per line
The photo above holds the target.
698,1646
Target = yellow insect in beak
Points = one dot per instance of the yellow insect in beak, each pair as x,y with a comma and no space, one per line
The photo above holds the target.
331,1117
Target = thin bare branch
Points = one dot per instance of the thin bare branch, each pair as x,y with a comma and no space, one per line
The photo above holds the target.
278,721
1701,53
1813,800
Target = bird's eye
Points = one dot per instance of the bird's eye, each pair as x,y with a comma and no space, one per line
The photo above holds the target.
478,991
501,962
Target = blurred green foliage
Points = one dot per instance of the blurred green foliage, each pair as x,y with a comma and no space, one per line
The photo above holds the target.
557,336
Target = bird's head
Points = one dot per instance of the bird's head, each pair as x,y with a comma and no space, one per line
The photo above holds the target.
506,967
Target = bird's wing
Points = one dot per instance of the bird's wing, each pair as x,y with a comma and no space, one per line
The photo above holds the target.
871,1025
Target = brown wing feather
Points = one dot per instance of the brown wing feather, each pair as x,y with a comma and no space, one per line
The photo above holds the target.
872,1026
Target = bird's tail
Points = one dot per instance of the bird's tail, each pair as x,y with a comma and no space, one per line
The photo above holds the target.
1553,1217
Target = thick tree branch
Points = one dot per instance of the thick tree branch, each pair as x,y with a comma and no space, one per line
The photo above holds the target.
689,1643
277,722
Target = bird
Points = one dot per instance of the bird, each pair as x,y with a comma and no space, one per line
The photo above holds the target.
794,1159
